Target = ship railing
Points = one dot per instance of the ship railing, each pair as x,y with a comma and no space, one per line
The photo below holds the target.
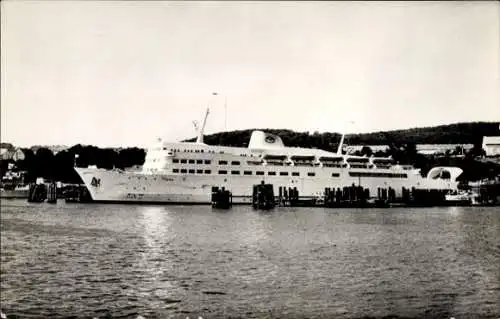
303,164
383,166
383,162
326,159
255,162
352,165
276,163
333,165
358,159
402,167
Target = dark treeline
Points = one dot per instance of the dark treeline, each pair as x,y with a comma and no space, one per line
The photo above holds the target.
59,167
43,163
460,133
402,147
402,144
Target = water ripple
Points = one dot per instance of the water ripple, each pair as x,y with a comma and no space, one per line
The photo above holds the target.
119,261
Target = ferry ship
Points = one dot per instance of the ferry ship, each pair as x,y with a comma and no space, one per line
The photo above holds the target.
185,172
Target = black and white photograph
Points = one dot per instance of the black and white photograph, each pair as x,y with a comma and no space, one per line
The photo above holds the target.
249,159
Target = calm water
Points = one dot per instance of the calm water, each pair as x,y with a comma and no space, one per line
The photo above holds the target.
75,260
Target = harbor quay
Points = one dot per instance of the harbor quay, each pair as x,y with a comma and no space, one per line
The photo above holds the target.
269,196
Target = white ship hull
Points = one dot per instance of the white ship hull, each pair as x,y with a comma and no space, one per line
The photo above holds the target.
184,173
123,186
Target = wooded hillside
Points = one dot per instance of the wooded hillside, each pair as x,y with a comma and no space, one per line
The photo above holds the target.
460,133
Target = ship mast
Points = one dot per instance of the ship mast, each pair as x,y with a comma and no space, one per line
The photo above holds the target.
339,150
202,128
225,114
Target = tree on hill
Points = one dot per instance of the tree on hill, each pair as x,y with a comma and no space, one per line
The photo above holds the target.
4,166
366,150
477,150
460,133
65,172
130,157
42,164
459,150
8,146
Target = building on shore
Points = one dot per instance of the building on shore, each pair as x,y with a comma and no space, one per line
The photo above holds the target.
425,149
491,145
14,154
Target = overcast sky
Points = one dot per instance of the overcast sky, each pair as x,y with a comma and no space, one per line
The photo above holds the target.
122,73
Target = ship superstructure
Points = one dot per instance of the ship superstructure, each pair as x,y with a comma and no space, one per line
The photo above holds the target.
185,172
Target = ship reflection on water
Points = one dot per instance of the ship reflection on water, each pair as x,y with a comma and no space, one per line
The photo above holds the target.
188,261
155,222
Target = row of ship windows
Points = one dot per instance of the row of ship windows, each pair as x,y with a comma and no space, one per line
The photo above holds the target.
191,171
372,174
198,151
191,161
223,172
190,151
195,151
207,162
352,174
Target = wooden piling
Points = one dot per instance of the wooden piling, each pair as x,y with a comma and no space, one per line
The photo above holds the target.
263,196
52,193
221,198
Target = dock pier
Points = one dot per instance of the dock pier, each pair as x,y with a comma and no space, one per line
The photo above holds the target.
354,197
221,198
37,193
52,193
263,196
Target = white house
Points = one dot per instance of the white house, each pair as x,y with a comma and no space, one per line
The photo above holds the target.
11,154
491,145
